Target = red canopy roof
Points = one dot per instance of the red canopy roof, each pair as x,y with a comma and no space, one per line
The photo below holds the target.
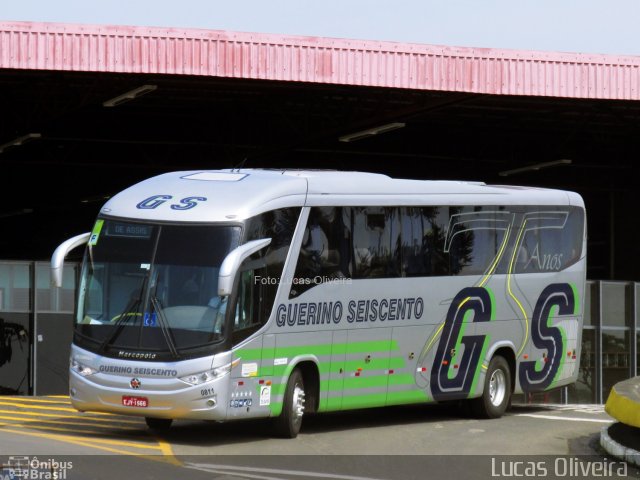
172,51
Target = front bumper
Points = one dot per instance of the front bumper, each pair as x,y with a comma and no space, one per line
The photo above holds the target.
206,401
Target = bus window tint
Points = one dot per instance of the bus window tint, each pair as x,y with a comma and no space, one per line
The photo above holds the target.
390,242
260,279
551,240
247,300
474,237
325,252
422,243
573,237
376,242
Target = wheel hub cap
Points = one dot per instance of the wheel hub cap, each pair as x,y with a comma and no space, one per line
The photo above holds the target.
497,388
298,402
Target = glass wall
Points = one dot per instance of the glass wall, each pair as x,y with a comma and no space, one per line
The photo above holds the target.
615,359
637,353
15,322
584,390
57,300
37,326
616,323
14,287
614,304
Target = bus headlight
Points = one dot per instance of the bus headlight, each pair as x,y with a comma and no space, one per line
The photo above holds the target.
204,377
81,369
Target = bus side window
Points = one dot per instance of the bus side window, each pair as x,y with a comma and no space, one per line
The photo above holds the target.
423,242
278,225
552,240
376,242
325,252
246,317
474,238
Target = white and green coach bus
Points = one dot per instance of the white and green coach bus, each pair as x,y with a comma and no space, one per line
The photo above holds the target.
236,294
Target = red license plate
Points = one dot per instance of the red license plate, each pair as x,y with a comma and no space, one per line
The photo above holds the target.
135,401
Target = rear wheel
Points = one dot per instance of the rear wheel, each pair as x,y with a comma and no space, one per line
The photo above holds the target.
496,394
290,420
158,424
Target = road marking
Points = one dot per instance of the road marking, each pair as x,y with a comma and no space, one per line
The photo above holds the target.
29,417
33,400
236,474
553,417
76,430
64,422
78,416
571,407
246,472
68,439
39,407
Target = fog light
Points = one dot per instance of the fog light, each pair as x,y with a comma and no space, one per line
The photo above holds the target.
211,402
72,392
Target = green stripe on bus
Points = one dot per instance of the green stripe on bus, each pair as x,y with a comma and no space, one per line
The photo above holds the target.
364,401
276,408
373,346
409,396
350,366
382,399
322,349
351,383
576,298
402,379
373,364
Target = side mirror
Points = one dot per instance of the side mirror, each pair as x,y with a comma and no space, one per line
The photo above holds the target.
57,260
232,262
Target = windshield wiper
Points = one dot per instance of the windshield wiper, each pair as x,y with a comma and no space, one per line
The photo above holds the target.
121,319
164,327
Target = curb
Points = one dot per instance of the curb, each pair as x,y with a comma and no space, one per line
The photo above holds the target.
623,403
617,450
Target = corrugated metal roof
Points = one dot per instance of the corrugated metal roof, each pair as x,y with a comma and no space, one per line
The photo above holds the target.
52,46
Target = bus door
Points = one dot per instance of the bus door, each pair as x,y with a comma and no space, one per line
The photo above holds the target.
334,392
409,368
366,367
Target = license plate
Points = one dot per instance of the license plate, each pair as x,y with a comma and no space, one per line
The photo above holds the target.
128,401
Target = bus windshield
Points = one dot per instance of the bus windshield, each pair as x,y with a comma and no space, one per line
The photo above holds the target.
152,289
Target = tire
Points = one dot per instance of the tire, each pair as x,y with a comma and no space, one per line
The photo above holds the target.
496,394
288,424
158,424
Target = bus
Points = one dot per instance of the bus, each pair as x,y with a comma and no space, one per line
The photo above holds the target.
245,293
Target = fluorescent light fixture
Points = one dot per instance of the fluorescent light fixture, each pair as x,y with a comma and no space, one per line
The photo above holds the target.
130,95
535,167
98,198
15,213
16,142
371,131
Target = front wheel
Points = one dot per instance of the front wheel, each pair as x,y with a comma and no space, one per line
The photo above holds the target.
496,394
290,420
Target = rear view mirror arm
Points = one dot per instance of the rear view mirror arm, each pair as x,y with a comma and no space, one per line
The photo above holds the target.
57,259
232,262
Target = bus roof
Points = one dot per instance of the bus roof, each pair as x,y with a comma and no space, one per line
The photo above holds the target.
233,195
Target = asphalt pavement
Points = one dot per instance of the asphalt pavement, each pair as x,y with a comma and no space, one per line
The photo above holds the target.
412,442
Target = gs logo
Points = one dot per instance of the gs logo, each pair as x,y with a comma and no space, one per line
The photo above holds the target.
155,201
